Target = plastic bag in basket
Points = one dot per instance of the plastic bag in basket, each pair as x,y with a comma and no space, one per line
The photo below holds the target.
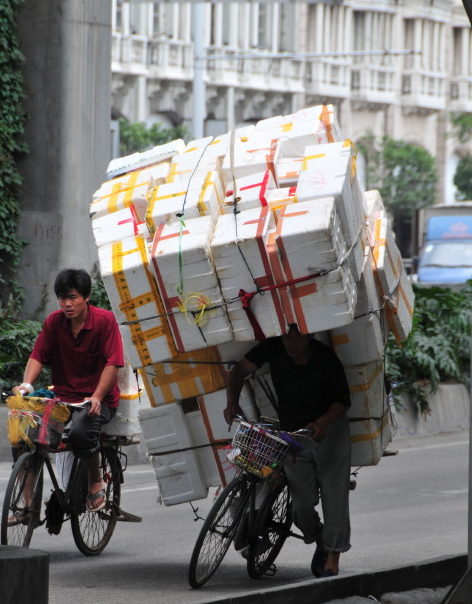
26,413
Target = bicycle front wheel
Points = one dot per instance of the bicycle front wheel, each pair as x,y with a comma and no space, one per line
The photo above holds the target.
92,531
274,520
22,503
217,532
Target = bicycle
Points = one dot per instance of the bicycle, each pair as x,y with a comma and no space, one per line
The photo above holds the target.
253,510
21,513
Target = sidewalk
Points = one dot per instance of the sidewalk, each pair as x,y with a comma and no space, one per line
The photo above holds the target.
430,575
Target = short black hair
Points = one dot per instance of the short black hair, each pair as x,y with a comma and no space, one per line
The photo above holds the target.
73,278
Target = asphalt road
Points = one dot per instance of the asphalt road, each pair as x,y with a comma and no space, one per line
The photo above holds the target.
410,508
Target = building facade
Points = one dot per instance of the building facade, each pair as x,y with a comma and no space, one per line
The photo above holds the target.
393,67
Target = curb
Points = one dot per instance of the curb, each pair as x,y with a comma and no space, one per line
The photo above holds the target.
439,572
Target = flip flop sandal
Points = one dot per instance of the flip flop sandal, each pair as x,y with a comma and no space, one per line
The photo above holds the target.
318,562
18,517
92,497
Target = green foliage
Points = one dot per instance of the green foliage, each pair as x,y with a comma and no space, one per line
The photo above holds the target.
138,137
12,120
463,178
404,173
98,295
438,347
17,337
462,125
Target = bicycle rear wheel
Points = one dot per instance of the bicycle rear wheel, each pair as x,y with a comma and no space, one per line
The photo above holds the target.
217,532
22,503
274,520
92,531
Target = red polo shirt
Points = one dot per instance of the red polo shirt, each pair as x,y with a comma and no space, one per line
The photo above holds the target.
77,363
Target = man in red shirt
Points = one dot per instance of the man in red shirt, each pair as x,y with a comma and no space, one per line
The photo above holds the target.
82,345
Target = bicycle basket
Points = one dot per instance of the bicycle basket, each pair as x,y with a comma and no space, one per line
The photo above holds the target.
257,451
35,420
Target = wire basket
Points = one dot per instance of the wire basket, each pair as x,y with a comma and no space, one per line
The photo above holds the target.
257,451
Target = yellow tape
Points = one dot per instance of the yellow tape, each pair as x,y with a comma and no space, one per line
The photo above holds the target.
357,438
309,157
128,303
366,385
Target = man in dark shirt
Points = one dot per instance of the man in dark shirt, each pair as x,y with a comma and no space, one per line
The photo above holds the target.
82,345
312,392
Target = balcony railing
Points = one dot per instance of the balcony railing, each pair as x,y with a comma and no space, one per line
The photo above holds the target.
425,90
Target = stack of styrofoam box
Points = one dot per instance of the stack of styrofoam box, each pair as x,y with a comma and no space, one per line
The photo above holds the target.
187,233
195,435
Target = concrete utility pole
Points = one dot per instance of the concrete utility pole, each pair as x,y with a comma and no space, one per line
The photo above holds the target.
67,48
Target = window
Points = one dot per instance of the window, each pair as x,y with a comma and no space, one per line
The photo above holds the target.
286,25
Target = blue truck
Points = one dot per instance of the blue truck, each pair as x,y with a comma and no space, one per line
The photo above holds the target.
446,234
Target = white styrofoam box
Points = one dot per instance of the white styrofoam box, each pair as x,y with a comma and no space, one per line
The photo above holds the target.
252,156
134,297
138,161
372,205
360,342
368,298
393,283
310,235
188,283
250,191
300,250
242,264
207,425
125,422
178,474
310,126
115,227
188,374
370,433
194,161
278,198
264,394
317,303
287,169
329,171
122,192
200,195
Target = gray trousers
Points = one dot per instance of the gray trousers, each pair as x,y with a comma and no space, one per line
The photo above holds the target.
322,471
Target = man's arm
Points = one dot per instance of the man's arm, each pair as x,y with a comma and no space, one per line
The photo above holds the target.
106,381
32,370
334,412
233,389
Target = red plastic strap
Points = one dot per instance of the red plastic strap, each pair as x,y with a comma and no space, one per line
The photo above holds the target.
246,299
43,430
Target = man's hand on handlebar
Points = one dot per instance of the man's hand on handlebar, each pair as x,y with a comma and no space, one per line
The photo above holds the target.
231,412
318,431
95,406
